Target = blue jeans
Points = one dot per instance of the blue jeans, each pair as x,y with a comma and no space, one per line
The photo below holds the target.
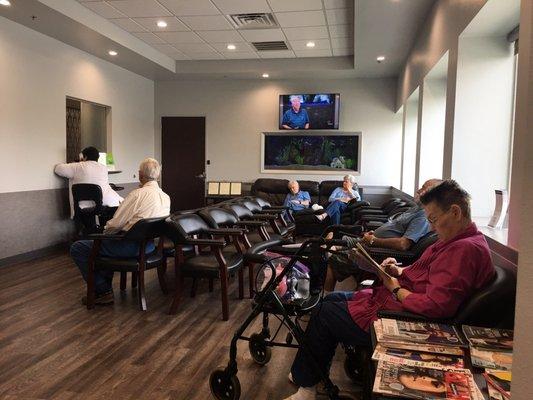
103,279
330,324
334,210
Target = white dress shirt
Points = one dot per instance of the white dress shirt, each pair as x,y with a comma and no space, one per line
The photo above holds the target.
88,172
149,201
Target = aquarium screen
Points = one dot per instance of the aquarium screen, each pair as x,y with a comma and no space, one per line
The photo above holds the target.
311,152
309,111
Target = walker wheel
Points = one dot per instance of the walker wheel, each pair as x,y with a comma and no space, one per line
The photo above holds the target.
259,351
224,387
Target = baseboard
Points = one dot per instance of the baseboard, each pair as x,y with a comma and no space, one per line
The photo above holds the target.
32,255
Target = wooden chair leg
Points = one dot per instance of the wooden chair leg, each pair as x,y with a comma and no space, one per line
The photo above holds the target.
161,275
123,280
91,295
211,286
134,279
241,284
178,281
224,294
194,286
142,297
251,279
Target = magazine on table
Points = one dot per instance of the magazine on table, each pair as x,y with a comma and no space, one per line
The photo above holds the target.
417,358
494,394
499,380
411,382
421,332
490,338
491,359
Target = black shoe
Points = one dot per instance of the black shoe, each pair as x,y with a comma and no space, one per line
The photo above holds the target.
101,299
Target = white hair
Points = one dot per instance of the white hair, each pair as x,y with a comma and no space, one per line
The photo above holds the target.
292,183
350,178
150,169
295,96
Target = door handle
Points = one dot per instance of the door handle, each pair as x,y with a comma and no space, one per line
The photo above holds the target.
201,176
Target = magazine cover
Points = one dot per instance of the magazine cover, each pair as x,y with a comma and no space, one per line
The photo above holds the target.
417,358
423,383
491,359
490,338
500,380
493,393
421,332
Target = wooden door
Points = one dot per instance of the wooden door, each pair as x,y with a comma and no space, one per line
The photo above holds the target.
183,158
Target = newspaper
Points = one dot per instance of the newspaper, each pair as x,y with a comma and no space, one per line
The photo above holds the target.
417,358
411,382
490,338
491,359
421,332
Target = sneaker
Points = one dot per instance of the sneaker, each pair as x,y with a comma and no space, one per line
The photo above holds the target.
101,299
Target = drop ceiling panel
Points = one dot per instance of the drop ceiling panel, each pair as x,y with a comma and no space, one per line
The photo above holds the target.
104,9
339,31
239,47
308,32
148,37
313,53
240,55
339,16
242,6
180,37
194,48
301,18
173,24
207,23
205,56
343,52
221,36
295,5
128,24
140,8
340,43
190,7
263,35
277,54
329,4
302,44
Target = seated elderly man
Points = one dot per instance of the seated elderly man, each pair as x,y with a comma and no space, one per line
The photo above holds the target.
296,200
148,201
339,199
449,271
398,234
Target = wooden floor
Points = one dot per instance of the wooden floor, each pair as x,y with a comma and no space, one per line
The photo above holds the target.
52,347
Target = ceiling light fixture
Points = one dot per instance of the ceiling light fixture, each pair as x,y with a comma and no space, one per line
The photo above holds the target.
231,47
380,59
112,53
265,75
162,24
310,44
5,3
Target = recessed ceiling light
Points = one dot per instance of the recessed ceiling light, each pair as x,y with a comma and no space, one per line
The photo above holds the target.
310,44
265,75
380,59
162,24
112,52
231,47
5,3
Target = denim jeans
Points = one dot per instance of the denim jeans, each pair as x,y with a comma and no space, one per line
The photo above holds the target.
330,324
334,210
103,279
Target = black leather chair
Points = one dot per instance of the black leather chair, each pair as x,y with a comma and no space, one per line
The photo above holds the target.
278,224
142,232
90,219
192,230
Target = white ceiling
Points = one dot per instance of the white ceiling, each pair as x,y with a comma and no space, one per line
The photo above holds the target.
202,29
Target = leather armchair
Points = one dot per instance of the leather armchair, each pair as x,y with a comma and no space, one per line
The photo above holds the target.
91,219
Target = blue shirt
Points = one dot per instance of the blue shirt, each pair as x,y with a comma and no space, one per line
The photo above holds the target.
411,224
300,196
339,193
295,119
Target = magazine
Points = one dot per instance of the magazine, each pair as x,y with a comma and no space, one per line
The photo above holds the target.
490,338
494,394
417,358
491,359
424,383
366,262
500,380
421,332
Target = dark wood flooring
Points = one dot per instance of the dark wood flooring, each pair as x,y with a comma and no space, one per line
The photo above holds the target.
52,347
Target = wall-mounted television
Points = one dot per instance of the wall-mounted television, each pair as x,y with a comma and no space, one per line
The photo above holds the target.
309,111
308,152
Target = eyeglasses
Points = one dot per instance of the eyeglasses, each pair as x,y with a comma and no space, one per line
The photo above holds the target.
432,220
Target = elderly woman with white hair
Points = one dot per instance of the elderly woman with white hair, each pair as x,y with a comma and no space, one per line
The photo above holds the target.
296,200
339,199
148,201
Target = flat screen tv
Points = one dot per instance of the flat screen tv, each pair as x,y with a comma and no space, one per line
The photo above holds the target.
311,152
309,111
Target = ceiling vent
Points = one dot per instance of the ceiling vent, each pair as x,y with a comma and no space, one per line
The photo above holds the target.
267,46
254,21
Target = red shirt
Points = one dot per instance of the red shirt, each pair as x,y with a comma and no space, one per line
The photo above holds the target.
444,276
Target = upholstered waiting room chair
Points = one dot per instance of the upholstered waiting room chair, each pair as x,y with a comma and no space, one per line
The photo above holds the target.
209,260
277,222
142,232
244,214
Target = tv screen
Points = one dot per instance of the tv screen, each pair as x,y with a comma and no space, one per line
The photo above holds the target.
309,111
311,152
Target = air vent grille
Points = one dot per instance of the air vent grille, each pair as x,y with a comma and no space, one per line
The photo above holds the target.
254,21
267,46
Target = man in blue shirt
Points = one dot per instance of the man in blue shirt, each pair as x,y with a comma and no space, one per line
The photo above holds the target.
296,200
295,117
399,234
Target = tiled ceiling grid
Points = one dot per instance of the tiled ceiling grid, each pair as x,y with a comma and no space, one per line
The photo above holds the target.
201,29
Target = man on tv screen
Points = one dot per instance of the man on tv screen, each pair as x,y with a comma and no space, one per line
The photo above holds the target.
295,117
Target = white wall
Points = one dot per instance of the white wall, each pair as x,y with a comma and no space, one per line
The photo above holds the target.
409,144
483,116
37,73
237,111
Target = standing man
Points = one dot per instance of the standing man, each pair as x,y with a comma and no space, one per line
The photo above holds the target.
295,117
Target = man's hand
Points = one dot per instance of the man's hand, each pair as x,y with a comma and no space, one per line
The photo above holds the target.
368,237
389,265
389,283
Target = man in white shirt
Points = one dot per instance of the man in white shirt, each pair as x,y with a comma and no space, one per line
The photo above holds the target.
89,170
148,201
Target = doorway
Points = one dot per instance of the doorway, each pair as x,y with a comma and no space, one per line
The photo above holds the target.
183,158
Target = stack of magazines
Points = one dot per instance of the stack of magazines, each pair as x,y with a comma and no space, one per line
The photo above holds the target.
492,349
419,360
